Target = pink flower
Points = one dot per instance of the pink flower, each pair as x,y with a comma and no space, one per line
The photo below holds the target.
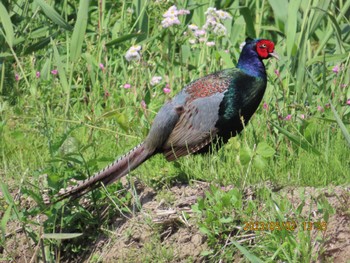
319,108
265,106
167,89
336,69
127,86
277,72
143,105
54,72
183,12
16,77
288,117
302,116
37,74
101,66
348,102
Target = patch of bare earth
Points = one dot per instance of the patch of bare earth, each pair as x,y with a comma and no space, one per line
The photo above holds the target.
335,243
159,230
164,228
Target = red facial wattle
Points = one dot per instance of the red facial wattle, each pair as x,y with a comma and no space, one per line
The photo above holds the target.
265,49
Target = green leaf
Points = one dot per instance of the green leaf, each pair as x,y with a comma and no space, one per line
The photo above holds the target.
327,58
5,218
60,236
245,12
298,140
280,11
226,58
341,125
265,150
6,55
245,154
291,29
6,194
205,230
225,220
60,68
251,257
7,25
259,162
122,121
185,53
207,252
40,44
122,39
79,30
53,15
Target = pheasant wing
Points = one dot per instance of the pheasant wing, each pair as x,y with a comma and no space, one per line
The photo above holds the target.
195,127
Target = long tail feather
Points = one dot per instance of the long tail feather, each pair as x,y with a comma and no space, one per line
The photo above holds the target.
109,174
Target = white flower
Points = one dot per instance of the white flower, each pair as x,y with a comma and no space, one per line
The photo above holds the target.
193,27
171,12
210,43
133,53
169,21
210,11
210,22
155,80
192,41
171,16
241,45
223,15
220,29
213,20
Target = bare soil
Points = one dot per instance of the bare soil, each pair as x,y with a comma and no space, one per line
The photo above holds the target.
165,229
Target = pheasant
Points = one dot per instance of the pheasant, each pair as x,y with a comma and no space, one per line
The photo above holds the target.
209,110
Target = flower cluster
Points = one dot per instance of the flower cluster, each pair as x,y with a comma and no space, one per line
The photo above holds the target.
213,24
171,16
214,19
133,53
155,80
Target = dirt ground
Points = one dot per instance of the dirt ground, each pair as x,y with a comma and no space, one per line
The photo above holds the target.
168,225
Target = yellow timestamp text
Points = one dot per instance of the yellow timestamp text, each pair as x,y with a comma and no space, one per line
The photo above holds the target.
287,225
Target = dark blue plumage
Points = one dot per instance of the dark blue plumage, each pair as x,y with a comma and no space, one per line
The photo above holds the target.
215,107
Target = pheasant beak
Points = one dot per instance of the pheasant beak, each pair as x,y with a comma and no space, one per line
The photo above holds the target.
274,54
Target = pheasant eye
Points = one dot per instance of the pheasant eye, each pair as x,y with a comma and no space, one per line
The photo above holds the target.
263,46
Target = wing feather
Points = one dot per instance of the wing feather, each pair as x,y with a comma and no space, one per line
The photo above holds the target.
195,127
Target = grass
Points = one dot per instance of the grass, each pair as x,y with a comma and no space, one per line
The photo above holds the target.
71,124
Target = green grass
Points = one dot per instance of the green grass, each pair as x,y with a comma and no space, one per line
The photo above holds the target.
72,124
